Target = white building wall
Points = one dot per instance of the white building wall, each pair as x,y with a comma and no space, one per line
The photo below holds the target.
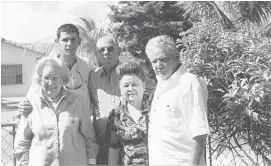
11,54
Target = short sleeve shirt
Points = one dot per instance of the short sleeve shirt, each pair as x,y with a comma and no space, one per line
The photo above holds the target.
129,135
178,114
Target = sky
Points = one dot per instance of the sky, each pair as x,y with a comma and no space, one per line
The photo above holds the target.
30,21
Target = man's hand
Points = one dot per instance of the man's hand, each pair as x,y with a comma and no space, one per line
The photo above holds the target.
25,107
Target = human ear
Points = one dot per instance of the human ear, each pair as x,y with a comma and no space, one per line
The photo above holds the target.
118,50
56,41
79,41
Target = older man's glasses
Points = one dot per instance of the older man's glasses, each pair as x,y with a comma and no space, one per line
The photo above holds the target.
109,49
52,79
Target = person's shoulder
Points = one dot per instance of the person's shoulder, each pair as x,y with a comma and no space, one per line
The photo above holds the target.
84,61
95,72
191,77
74,97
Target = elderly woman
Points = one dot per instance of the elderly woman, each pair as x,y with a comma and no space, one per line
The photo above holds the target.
127,124
178,117
58,131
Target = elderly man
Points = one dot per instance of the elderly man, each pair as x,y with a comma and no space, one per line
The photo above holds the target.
104,90
178,118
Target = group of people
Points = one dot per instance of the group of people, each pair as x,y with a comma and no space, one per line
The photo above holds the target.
76,114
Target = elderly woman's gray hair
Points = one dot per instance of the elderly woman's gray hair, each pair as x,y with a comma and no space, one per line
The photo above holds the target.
54,62
163,42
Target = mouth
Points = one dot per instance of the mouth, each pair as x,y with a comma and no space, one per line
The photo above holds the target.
51,89
69,49
161,71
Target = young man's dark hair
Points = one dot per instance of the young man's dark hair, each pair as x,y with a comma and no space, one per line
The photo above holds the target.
69,28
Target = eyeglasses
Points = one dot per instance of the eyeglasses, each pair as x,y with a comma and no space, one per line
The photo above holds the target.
52,79
109,49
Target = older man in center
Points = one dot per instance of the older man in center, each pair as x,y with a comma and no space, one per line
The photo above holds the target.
178,118
104,90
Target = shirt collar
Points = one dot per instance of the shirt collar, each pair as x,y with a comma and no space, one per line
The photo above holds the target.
101,70
75,65
164,85
174,77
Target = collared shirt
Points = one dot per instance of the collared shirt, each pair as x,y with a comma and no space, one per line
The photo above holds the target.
178,114
128,134
105,96
63,135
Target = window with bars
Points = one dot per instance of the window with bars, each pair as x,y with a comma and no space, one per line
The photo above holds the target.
11,74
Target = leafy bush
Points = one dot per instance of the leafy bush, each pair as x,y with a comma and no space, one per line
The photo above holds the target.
236,66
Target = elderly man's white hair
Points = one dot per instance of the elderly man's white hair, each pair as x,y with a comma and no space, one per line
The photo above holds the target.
109,37
52,61
163,42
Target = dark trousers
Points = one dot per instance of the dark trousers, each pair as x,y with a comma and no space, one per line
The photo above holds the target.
100,129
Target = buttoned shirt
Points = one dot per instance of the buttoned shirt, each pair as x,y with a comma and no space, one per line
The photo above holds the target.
129,134
178,114
105,96
63,135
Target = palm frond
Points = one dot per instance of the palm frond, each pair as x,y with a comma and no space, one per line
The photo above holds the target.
257,12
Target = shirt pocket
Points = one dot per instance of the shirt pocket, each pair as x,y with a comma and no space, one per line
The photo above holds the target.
69,124
174,118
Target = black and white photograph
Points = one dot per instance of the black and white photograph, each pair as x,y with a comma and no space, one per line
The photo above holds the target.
135,83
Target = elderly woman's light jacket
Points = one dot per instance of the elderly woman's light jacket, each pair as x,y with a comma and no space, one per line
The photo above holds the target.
64,136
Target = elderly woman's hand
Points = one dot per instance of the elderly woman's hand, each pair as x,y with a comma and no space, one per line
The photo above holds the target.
25,107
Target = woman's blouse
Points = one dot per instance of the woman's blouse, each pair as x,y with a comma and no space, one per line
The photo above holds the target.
56,136
128,135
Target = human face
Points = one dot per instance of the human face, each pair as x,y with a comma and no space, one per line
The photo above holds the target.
107,52
132,88
163,65
51,81
68,43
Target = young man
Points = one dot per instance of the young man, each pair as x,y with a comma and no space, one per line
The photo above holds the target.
67,43
104,90
178,118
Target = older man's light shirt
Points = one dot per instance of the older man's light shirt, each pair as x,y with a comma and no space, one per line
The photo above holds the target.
105,91
178,114
105,96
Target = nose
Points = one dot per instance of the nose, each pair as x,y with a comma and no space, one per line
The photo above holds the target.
159,64
50,82
130,88
106,53
69,42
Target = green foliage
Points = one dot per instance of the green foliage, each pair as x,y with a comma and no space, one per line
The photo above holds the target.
237,68
137,22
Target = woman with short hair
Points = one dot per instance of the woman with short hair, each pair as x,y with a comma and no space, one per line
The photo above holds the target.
127,124
58,131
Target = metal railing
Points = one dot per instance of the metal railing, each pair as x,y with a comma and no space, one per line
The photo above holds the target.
8,130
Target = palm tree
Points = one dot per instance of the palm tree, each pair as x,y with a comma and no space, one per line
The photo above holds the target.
90,33
206,10
257,12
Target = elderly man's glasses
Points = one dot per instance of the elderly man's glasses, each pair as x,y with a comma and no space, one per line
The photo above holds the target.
52,79
109,49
